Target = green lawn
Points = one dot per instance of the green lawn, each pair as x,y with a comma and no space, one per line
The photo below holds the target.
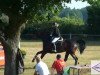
91,53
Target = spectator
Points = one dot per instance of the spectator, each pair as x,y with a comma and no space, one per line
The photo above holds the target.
59,65
41,68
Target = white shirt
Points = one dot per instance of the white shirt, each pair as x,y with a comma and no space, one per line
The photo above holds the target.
42,68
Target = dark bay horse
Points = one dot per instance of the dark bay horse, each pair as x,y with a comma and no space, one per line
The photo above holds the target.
68,46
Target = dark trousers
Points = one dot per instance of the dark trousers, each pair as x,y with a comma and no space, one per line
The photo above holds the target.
60,73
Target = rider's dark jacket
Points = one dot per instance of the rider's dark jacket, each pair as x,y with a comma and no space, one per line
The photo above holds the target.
55,32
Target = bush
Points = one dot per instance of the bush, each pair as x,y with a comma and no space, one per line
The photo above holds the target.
23,53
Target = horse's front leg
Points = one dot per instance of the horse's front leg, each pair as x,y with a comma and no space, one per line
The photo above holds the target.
36,55
66,56
75,58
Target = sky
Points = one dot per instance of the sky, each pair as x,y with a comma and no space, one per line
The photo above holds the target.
77,5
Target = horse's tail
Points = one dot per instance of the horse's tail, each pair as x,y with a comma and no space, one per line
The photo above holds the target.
82,45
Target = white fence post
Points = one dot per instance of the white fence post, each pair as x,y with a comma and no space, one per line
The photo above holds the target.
70,36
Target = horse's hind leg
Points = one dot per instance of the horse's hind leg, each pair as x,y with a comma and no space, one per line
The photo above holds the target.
75,58
43,54
36,55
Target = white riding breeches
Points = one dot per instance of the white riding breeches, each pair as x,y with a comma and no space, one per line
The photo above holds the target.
55,39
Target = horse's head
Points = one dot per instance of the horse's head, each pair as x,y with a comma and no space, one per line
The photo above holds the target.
82,45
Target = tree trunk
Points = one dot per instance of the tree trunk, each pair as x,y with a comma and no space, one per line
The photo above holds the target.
10,58
10,55
10,43
10,48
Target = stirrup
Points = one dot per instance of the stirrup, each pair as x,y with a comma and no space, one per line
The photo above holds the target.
54,50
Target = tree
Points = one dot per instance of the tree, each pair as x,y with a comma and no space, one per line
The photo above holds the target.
71,13
19,12
94,17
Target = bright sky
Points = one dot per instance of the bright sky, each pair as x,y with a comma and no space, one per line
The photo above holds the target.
77,5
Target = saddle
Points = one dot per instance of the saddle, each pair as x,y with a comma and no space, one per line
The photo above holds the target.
60,39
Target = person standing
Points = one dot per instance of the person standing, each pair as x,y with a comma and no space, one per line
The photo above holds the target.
41,68
59,65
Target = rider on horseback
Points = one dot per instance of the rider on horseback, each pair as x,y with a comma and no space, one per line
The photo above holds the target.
55,35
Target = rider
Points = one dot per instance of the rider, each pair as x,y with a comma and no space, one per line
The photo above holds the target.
55,34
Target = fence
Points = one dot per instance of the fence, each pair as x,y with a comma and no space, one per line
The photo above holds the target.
84,36
67,36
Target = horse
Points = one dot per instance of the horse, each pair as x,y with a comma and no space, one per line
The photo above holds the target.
67,45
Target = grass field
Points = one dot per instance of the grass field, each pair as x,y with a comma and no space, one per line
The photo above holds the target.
91,53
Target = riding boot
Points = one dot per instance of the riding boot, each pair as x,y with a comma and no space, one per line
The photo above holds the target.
54,48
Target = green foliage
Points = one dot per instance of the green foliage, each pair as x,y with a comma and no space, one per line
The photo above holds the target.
84,14
94,3
23,53
19,11
71,25
67,25
94,17
76,13
29,8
